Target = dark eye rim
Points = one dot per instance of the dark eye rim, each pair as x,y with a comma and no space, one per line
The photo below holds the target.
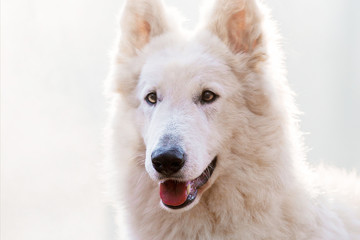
147,99
202,101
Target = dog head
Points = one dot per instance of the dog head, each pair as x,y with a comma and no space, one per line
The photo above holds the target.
190,94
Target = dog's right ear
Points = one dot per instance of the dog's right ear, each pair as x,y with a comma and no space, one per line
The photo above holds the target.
141,20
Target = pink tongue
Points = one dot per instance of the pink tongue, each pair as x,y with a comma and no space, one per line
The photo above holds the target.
173,193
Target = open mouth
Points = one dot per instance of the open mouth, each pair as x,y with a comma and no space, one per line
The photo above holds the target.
176,195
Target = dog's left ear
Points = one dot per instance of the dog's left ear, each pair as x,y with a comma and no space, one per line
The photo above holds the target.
237,23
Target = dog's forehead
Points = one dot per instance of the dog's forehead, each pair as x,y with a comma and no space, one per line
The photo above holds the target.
184,65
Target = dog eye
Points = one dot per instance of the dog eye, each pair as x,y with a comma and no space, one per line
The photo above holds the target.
208,97
151,98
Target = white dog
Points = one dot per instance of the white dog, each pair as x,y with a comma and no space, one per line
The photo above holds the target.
203,135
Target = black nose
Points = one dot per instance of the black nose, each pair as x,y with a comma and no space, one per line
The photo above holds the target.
168,161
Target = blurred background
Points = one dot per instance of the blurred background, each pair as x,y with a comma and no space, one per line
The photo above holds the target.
54,58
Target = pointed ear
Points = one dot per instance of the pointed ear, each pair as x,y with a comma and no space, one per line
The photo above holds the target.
141,20
237,23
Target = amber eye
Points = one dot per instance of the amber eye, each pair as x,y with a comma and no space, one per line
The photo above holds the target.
151,98
208,97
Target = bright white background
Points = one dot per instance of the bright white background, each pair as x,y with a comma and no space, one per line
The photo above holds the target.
54,58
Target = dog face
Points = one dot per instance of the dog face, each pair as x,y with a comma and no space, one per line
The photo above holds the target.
182,108
188,91
184,92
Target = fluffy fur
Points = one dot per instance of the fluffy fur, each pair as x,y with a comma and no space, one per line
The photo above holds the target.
261,187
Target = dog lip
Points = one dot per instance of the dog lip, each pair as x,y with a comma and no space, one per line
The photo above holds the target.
162,180
198,182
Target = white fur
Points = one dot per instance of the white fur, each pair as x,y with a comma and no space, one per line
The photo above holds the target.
261,187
